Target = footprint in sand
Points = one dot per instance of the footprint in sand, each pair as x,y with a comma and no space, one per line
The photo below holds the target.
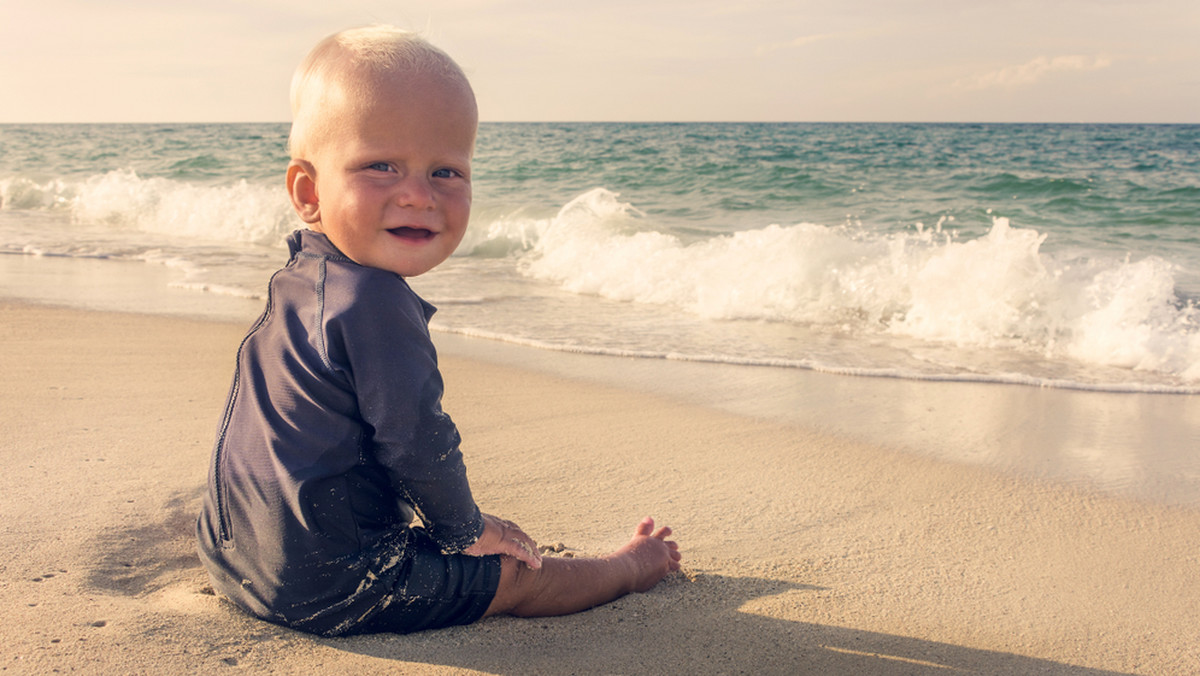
46,576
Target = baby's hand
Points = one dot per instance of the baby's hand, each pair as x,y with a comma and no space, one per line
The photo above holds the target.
505,537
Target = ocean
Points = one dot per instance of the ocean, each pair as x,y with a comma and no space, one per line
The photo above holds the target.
1054,256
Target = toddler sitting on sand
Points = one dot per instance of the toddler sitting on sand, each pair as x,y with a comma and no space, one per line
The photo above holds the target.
333,437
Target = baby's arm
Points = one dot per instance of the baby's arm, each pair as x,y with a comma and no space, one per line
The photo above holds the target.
505,537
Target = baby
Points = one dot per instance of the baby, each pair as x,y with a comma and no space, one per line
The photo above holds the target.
333,438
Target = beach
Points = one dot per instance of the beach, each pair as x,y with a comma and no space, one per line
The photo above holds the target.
805,551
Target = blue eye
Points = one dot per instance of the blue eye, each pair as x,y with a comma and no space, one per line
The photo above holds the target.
445,173
380,166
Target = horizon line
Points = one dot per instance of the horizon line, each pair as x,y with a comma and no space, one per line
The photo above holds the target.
963,122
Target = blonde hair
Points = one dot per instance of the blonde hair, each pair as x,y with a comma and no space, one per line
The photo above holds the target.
367,52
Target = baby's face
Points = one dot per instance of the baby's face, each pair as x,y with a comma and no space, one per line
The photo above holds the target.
393,177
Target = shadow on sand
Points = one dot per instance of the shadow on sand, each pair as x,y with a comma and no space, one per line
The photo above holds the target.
136,559
698,628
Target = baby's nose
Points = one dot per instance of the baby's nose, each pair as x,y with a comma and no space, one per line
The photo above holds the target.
415,191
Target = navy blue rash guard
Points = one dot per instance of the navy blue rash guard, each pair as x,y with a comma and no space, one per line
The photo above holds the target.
333,436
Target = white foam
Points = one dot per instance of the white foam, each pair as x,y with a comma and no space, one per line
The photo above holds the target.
996,291
240,212
507,234
23,193
1133,320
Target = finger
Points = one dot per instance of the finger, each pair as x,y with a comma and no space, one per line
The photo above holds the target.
663,533
519,545
524,550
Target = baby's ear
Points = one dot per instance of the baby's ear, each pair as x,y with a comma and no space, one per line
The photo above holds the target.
302,186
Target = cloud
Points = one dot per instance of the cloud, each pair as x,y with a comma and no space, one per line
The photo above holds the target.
1030,72
806,40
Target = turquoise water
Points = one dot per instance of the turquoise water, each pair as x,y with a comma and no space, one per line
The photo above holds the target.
1051,255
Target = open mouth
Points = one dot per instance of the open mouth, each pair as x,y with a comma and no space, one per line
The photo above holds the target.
414,234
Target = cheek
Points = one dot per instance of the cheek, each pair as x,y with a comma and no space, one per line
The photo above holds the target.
459,208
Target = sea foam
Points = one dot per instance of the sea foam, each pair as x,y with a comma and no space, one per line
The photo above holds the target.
239,212
999,290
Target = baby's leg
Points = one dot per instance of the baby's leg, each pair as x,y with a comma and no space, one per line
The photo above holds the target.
564,586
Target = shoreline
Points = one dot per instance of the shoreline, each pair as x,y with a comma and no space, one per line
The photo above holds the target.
805,551
1136,445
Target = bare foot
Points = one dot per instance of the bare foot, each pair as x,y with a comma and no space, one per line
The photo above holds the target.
651,554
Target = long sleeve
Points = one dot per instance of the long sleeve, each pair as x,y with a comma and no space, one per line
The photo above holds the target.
381,343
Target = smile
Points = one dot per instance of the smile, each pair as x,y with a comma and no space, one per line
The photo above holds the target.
412,233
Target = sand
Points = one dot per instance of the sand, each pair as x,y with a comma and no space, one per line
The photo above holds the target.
804,552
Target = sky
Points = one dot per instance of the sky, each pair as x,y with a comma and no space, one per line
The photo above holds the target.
626,60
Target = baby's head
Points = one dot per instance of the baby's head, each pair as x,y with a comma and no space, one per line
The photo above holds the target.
383,130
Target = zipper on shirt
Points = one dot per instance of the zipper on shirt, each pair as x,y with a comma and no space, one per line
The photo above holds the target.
224,523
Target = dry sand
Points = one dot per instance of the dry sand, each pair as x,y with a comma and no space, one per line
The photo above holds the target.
804,553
